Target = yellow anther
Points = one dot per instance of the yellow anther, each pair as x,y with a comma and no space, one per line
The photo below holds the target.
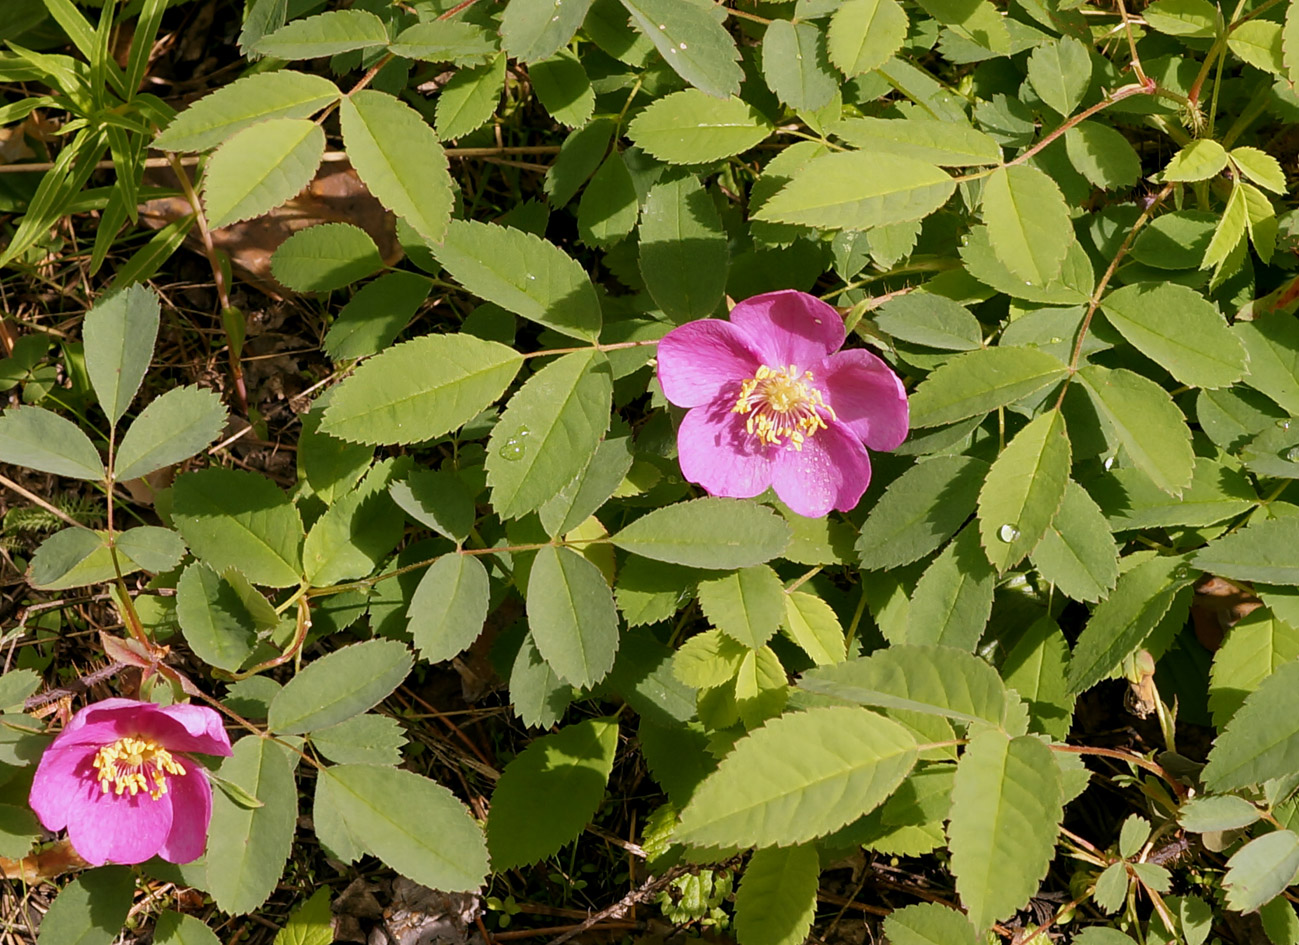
781,404
128,765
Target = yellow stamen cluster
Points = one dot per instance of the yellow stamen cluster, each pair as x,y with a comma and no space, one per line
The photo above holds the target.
782,404
128,765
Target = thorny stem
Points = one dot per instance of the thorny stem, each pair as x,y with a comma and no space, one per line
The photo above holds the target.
1145,87
1095,300
616,346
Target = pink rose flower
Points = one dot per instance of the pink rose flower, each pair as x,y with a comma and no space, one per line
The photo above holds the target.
118,778
774,402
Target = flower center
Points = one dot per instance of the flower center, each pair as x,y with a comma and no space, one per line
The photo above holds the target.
131,765
782,404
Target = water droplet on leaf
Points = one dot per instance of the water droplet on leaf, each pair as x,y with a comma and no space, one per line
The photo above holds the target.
1109,463
1008,533
1283,424
1292,454
511,449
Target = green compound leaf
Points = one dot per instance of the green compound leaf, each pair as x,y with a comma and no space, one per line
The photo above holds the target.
375,315
429,836
929,923
1142,417
1193,18
524,274
932,321
799,777
1077,553
920,510
582,497
325,34
692,41
399,158
1254,649
549,793
934,680
449,607
547,434
945,143
1273,346
311,923
173,427
248,846
978,382
325,257
152,547
1035,668
347,682
362,739
609,207
1007,803
796,67
1216,493
1202,159
1028,222
1102,155
119,333
420,389
176,929
953,598
1261,870
564,88
261,167
537,29
212,615
864,34
235,519
1262,739
1024,490
1261,551
813,625
717,534
90,910
572,614
454,41
776,901
1220,812
1122,621
468,100
684,254
1060,71
858,190
42,440
690,127
357,532
1181,330
219,115
70,558
747,605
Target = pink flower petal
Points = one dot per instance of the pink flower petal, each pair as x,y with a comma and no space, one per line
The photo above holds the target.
830,472
866,396
204,725
102,723
700,361
64,779
716,452
108,828
191,805
789,327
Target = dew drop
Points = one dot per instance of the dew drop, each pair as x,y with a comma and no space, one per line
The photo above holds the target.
682,45
1057,340
1109,463
1008,533
1283,424
663,26
672,51
1292,454
554,19
532,277
511,449
1181,572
